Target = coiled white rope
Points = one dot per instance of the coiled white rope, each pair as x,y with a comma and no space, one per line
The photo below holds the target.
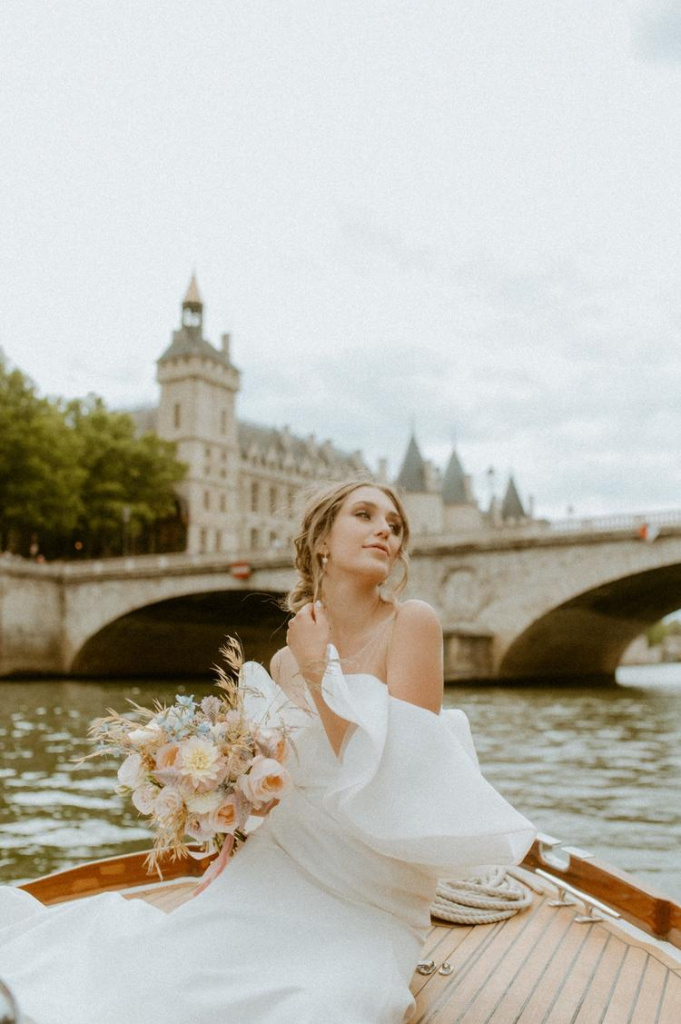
480,899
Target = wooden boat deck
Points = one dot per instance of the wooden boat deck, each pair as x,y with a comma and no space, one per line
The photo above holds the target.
539,967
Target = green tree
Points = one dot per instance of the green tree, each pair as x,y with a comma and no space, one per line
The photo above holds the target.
40,476
128,480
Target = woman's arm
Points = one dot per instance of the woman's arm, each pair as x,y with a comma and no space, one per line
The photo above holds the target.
308,637
415,671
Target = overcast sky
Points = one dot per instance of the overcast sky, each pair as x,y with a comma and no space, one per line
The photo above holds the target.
457,214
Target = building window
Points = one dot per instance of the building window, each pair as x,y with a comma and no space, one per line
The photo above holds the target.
273,539
206,499
254,539
207,452
223,421
223,502
202,541
255,496
218,540
291,500
273,500
177,415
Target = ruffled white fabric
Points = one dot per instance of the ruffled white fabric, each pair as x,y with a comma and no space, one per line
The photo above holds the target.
322,914
409,783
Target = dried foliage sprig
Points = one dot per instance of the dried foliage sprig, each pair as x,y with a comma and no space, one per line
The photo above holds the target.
197,770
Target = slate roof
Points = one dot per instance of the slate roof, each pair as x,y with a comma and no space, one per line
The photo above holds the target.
285,447
412,474
512,506
454,490
189,341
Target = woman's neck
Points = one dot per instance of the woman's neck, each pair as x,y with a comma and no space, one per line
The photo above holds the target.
352,610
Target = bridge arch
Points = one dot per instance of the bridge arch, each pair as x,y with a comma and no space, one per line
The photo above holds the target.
587,635
181,636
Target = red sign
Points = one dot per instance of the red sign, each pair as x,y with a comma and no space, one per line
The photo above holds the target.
240,570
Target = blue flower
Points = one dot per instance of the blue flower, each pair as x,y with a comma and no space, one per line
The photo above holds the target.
186,702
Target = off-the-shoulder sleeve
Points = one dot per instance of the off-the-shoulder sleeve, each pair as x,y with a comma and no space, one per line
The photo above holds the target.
408,782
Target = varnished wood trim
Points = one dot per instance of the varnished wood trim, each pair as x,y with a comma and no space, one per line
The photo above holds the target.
635,900
110,875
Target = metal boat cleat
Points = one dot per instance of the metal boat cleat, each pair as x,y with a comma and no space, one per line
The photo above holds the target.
425,967
561,899
445,968
594,909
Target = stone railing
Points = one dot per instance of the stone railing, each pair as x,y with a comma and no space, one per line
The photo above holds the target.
625,521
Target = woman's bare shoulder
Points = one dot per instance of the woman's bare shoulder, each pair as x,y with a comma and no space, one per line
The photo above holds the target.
415,656
276,663
416,614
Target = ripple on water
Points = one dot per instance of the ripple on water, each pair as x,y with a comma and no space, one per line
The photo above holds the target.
599,768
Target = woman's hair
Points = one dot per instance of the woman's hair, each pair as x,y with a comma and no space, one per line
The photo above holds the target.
318,518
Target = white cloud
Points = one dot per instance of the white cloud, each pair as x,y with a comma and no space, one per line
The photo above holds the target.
459,214
657,30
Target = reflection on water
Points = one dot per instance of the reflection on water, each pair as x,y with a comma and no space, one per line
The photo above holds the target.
598,768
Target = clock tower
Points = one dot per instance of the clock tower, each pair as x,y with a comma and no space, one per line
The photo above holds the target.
197,411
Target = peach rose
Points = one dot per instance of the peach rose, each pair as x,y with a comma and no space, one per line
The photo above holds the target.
166,757
131,773
148,735
225,818
271,744
144,797
168,802
203,803
266,781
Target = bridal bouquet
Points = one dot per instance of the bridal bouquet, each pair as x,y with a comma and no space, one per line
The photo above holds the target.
197,770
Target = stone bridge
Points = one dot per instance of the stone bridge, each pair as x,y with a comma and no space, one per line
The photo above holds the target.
557,602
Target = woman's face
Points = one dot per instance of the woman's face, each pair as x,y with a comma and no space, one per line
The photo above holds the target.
366,536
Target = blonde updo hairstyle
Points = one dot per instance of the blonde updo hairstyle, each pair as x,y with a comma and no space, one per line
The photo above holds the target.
318,518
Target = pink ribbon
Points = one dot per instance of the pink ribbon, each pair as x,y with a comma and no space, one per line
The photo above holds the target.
217,867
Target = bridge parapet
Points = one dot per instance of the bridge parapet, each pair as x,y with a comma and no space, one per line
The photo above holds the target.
624,521
607,582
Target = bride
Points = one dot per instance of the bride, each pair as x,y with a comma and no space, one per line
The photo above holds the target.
322,915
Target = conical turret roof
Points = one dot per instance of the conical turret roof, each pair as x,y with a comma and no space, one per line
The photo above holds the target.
512,506
193,296
412,474
454,491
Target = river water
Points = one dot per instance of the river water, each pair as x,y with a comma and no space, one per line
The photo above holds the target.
599,768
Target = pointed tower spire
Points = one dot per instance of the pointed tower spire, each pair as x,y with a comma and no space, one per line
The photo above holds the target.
512,506
412,474
192,306
193,296
454,489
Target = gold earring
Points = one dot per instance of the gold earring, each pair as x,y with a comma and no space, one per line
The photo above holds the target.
325,559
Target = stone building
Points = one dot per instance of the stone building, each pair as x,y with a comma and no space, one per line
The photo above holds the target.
245,482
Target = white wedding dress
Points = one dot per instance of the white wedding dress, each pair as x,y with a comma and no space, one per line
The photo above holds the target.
321,915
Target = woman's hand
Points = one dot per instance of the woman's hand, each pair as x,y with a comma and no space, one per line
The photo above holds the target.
308,638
